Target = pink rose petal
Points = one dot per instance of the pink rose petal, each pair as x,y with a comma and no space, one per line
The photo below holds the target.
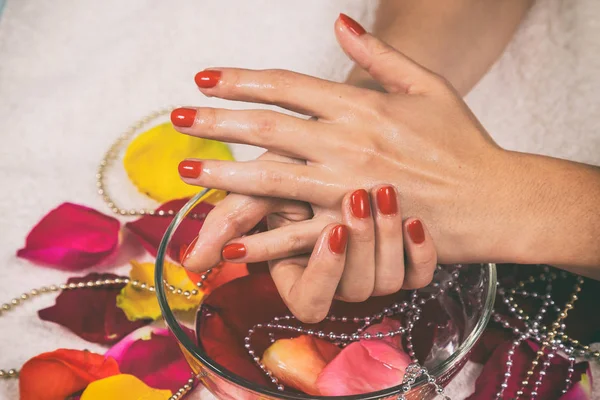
153,355
150,229
92,313
72,237
366,366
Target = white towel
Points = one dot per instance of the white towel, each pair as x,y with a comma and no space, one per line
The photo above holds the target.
74,74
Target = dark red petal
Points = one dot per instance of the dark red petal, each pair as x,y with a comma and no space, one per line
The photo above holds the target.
488,383
92,313
72,237
150,229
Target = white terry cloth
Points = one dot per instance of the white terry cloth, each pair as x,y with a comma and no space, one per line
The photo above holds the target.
74,74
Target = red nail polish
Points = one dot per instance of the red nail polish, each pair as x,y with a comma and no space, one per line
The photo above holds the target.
233,251
386,200
183,117
359,203
184,252
352,25
416,232
190,168
207,79
338,239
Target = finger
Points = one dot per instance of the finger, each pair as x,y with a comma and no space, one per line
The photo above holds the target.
284,134
420,254
389,272
232,217
263,178
392,69
308,292
286,241
358,280
296,92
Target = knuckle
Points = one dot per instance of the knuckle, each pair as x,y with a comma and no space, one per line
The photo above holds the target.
265,126
353,296
280,78
269,179
232,225
387,286
209,119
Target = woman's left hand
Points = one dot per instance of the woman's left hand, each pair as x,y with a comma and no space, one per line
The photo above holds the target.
420,137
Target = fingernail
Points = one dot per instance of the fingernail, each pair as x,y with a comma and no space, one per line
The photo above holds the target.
359,203
352,25
338,239
184,252
207,79
183,117
233,251
416,232
386,200
190,168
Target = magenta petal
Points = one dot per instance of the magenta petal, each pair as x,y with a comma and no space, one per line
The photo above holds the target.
150,229
582,383
72,237
366,366
91,313
153,355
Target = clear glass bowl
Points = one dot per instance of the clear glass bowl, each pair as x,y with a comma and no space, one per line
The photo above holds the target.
468,306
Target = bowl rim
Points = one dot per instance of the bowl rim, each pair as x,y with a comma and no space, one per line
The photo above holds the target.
171,321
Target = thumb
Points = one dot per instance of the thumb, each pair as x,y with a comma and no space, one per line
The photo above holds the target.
392,69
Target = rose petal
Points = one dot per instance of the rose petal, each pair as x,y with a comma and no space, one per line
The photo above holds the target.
298,362
138,303
582,386
123,386
492,337
72,237
153,355
150,229
488,383
152,157
58,374
92,313
366,366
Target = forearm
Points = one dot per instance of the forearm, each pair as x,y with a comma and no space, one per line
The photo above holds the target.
549,213
458,39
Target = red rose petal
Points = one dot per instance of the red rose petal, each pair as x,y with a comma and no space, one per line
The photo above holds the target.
72,237
150,229
488,383
61,373
92,313
157,360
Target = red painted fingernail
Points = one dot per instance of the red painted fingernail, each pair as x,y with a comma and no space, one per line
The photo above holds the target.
234,251
386,200
359,203
416,232
352,25
184,252
338,239
207,79
183,117
190,168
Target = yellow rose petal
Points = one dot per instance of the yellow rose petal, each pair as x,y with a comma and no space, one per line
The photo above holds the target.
139,303
123,387
152,158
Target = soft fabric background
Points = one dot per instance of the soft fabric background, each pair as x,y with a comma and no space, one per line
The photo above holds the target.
74,74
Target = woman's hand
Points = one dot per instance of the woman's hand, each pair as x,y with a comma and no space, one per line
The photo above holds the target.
421,137
349,258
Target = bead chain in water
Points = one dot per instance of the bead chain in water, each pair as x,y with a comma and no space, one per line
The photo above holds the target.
411,309
6,307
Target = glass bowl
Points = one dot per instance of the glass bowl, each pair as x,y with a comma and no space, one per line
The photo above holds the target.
466,307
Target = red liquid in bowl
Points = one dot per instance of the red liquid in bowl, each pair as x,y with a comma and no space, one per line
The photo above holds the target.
228,313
